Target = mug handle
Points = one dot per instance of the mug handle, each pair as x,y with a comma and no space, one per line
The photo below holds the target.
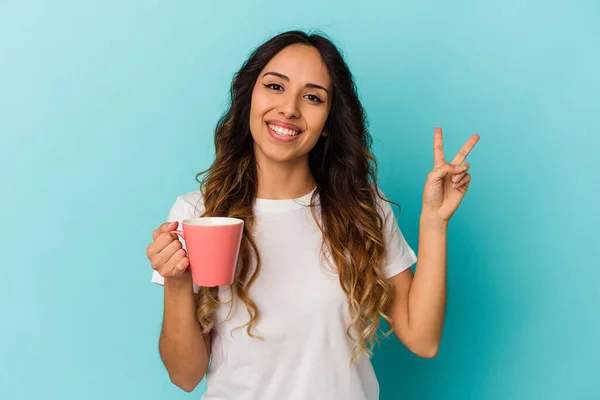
180,233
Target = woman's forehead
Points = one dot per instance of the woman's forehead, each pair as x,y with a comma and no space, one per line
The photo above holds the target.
300,63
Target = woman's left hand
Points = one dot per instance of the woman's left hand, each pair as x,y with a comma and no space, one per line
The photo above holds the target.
448,183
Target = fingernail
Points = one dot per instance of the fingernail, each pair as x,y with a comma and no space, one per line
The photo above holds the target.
460,167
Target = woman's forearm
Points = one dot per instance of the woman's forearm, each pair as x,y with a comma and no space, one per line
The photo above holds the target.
184,351
427,295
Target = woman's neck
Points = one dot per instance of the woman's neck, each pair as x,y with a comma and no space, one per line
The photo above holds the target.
280,182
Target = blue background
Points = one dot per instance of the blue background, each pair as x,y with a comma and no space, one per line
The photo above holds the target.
107,111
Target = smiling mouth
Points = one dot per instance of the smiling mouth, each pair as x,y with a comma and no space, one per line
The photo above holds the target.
283,131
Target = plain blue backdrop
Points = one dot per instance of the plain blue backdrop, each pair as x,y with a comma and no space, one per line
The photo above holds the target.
107,111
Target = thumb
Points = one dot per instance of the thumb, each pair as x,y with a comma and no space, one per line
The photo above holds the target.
164,227
446,169
169,226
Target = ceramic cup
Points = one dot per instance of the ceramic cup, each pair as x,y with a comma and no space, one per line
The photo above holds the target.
213,246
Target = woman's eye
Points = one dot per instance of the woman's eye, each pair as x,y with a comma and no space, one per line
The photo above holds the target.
273,86
314,98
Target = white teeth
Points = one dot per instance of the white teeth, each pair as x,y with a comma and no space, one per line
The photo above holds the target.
283,131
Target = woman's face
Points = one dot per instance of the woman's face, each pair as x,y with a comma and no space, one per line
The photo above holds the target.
290,104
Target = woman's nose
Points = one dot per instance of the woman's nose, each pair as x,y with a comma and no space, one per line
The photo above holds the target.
289,108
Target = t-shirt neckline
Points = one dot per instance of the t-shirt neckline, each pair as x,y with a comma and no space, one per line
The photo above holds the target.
261,204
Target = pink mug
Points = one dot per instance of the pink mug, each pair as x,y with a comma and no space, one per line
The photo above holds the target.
213,246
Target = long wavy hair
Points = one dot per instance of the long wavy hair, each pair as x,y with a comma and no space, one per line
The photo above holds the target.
345,172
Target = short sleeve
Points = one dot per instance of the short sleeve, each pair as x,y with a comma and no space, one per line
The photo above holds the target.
400,256
180,210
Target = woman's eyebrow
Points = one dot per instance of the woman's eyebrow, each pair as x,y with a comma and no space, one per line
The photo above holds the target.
310,85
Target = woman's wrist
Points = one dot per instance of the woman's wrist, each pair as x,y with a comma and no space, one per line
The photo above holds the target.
182,282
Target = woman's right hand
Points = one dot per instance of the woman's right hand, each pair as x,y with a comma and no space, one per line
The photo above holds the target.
166,253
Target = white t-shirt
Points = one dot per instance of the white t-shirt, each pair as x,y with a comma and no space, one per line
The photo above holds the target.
303,313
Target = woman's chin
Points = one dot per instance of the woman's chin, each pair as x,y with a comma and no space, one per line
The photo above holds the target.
276,155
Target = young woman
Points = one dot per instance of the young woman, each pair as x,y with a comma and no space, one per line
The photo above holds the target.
322,257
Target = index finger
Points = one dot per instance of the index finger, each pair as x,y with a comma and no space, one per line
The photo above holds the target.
438,148
465,150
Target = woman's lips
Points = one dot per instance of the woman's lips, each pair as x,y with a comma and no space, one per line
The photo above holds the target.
281,138
284,124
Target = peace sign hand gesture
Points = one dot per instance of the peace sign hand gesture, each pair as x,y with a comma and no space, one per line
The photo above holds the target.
447,183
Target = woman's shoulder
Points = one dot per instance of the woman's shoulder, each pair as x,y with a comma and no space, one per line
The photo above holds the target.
382,202
379,195
188,205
